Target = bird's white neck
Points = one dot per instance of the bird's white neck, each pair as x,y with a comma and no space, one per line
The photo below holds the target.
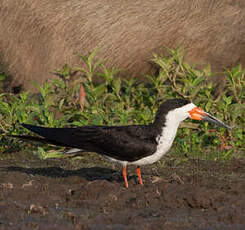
164,140
172,122
168,131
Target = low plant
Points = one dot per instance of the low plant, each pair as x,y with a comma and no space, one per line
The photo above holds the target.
118,101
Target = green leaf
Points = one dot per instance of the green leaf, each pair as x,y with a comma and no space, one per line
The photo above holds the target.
198,80
100,90
2,76
117,85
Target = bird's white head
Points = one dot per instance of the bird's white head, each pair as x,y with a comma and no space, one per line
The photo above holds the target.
182,112
177,110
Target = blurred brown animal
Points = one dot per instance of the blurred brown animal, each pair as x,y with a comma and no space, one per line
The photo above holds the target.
39,36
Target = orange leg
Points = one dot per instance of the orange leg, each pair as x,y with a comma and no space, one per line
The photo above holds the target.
139,175
124,172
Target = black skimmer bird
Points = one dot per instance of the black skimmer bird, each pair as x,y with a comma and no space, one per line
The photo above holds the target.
128,145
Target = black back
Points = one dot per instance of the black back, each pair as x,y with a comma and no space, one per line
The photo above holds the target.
126,143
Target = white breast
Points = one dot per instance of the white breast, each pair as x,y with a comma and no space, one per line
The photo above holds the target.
164,143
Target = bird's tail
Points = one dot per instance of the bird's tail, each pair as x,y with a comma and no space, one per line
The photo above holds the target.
72,151
36,139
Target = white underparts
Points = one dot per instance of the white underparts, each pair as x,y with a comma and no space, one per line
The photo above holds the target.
73,150
164,143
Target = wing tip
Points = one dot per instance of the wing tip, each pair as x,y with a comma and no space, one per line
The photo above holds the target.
25,125
33,128
28,126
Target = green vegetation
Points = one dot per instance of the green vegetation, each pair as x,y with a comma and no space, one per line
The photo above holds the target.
119,101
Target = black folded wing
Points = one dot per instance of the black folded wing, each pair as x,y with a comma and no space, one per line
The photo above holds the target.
129,143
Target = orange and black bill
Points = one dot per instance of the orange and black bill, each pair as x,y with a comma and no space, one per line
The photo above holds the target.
199,114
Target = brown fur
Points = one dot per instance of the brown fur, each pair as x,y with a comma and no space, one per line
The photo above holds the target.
39,36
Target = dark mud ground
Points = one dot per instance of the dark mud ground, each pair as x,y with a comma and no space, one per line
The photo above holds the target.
61,194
